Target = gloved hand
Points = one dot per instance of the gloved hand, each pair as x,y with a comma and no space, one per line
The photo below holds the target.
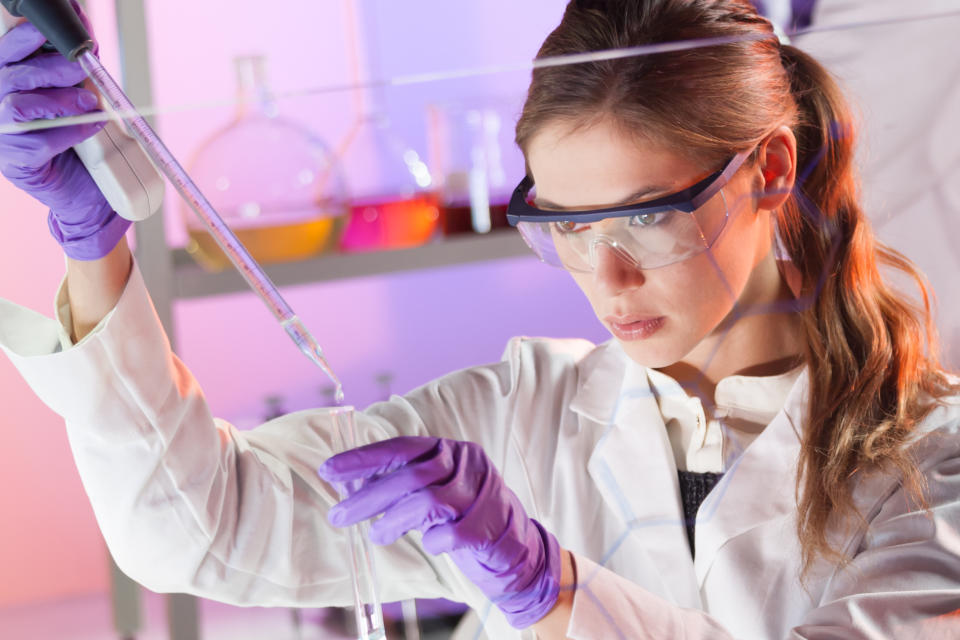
451,492
42,162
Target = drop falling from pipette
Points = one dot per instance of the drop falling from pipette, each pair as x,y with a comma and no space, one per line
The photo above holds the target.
309,346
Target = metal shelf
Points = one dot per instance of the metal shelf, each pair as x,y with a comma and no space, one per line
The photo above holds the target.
192,281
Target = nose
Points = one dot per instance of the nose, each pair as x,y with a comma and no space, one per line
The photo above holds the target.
613,271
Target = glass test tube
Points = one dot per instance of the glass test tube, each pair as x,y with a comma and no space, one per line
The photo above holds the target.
366,594
232,247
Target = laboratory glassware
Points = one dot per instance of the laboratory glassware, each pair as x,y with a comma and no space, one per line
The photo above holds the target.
275,407
366,594
276,183
472,153
395,206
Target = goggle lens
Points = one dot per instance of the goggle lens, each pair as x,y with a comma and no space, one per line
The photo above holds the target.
648,240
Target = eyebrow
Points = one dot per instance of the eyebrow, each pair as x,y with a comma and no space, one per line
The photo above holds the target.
633,198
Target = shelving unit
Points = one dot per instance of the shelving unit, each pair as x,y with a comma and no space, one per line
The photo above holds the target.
192,281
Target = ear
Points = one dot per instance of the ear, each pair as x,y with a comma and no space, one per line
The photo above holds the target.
777,163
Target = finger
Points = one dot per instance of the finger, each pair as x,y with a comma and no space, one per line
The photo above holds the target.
441,538
48,70
86,23
36,149
379,458
46,104
20,42
381,494
418,511
82,15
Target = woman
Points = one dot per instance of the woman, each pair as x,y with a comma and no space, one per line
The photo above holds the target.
767,449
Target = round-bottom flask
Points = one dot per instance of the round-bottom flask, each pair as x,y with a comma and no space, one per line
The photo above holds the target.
274,182
398,207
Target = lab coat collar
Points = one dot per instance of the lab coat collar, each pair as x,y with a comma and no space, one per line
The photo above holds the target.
735,505
616,396
602,372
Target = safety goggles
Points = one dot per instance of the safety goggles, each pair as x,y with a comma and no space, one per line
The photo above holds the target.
650,234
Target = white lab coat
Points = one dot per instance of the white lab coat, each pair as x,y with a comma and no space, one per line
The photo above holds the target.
188,503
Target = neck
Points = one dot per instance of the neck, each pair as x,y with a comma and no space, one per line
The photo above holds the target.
750,340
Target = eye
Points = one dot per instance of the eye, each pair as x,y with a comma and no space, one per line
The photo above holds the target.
649,219
568,226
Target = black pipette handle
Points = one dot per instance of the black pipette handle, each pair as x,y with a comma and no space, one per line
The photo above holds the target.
57,20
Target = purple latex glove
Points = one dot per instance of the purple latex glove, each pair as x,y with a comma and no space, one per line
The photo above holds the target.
42,163
451,492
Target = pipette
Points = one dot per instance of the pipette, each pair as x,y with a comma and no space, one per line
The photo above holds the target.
57,20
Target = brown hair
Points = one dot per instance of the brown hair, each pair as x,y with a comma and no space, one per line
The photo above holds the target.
872,354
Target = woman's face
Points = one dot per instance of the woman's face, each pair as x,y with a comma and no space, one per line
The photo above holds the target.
659,315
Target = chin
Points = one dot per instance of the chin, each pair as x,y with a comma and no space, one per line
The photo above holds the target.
653,355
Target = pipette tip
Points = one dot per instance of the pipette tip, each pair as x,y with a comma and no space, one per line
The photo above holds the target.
311,348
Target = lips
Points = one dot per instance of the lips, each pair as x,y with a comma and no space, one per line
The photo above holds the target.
634,327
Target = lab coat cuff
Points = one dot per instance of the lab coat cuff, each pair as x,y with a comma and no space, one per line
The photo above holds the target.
128,335
25,333
606,605
64,318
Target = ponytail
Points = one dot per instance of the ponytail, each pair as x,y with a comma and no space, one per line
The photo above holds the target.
872,353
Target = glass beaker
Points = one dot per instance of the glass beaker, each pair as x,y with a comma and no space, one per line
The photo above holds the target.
474,160
274,182
397,207
366,592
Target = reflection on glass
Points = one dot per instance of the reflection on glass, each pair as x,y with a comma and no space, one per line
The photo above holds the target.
397,207
470,146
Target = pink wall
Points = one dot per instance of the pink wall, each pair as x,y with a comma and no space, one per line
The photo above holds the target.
49,543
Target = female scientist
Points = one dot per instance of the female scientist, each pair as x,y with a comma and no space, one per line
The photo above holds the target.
768,448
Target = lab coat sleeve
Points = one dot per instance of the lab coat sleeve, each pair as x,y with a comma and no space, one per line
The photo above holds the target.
187,502
903,582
